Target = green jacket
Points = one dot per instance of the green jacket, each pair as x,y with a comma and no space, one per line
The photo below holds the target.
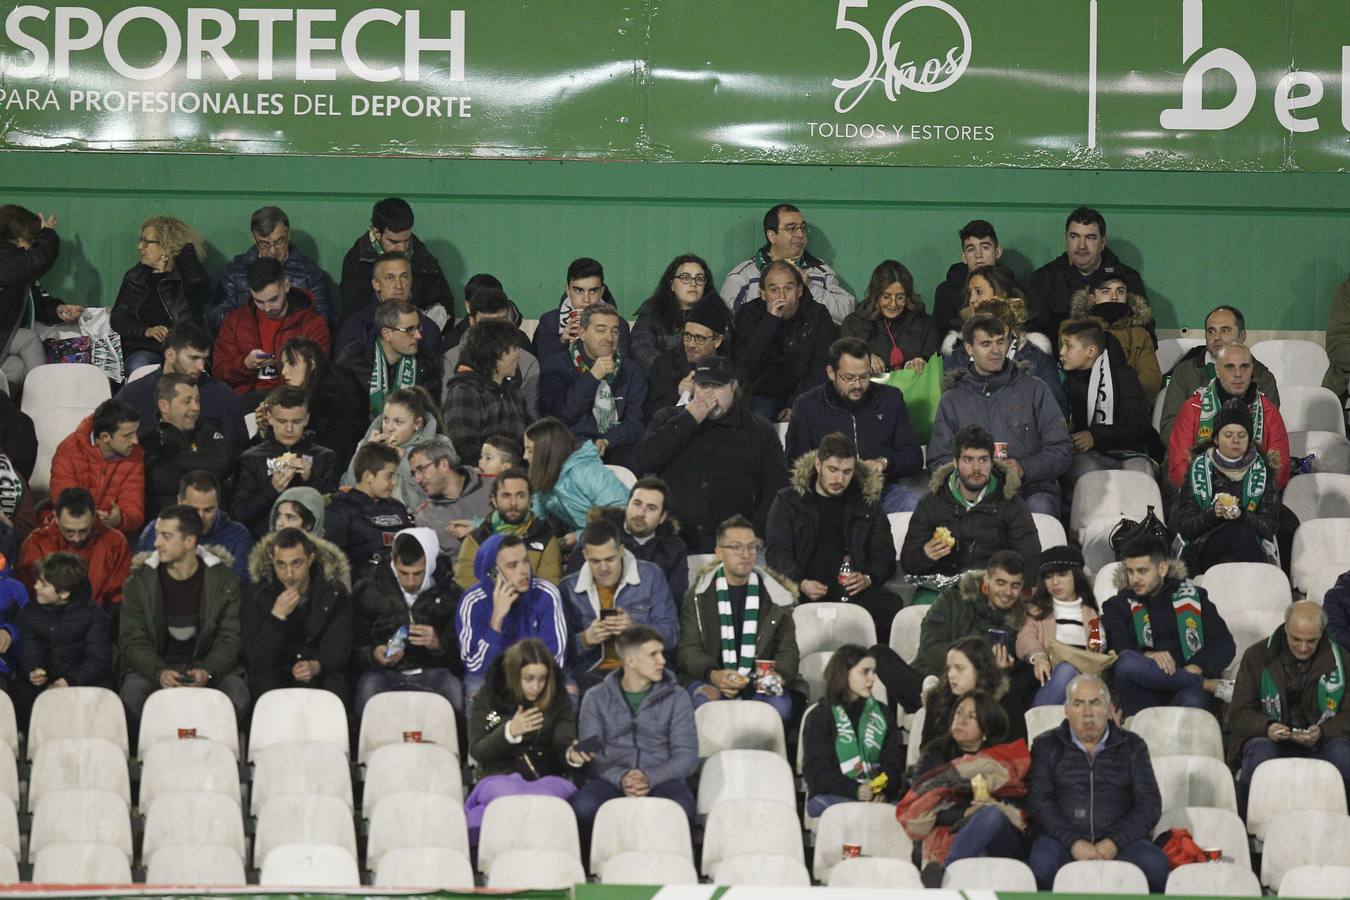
961,611
1338,341
143,633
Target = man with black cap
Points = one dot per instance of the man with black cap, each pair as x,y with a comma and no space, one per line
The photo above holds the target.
670,381
717,456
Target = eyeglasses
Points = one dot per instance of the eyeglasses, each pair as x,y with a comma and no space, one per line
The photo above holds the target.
411,329
265,246
852,379
742,549
794,228
697,339
686,278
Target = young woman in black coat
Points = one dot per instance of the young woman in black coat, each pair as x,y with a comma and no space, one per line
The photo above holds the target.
335,413
660,318
970,665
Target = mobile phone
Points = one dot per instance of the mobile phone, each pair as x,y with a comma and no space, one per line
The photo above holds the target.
494,573
591,745
998,636
608,613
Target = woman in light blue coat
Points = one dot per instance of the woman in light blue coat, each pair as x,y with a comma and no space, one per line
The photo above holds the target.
568,479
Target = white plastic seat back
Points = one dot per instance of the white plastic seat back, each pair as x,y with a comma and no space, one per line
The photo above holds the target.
395,717
649,825
751,826
1111,494
188,766
1317,544
915,729
1293,363
204,864
905,630
782,429
1185,781
1171,350
1104,583
9,864
191,712
9,777
825,626
77,712
1100,876
1316,881
81,863
310,865
1247,628
52,427
1321,580
81,817
1041,719
1314,496
696,562
1302,837
1330,450
875,872
1247,587
535,870
1050,530
899,528
1292,784
72,764
1178,731
1213,879
1212,828
303,819
871,825
636,867
416,820
9,827
424,867
624,474
64,386
811,668
739,725
300,767
9,726
527,822
745,775
989,873
1306,408
194,818
298,714
391,768
762,869
141,371
1158,402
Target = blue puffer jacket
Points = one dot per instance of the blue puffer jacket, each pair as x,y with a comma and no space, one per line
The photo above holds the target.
659,739
642,590
583,483
13,597
232,289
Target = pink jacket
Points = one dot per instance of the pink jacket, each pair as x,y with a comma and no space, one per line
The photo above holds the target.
1036,634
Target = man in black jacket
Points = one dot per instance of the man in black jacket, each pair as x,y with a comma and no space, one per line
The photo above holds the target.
1054,284
1091,791
704,334
297,624
289,458
719,458
391,231
826,531
182,442
396,357
979,247
414,592
648,532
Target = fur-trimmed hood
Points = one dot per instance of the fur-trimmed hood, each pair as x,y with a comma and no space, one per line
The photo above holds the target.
1012,482
781,589
971,587
1141,314
332,561
209,554
1175,569
952,378
867,480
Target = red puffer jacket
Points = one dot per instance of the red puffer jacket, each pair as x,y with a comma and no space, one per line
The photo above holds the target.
106,553
79,463
239,336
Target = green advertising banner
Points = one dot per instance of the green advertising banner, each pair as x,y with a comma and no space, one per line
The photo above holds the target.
1121,84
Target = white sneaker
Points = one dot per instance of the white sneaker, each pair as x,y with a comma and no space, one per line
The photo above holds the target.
1224,690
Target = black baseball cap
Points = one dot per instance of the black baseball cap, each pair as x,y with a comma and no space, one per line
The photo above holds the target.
714,370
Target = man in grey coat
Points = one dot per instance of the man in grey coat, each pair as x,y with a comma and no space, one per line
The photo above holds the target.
1011,404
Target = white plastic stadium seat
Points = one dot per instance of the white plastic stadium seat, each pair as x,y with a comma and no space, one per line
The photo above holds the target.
811,668
989,873
624,475
1211,828
527,822
300,767
535,870
9,778
1213,879
251,424
52,427
416,820
81,863
9,726
763,869
1190,780
424,867
1293,362
1317,544
64,386
1111,495
1330,450
1250,627
141,371
739,725
9,828
873,825
1302,837
745,775
1311,409
310,865
1321,580
899,528
1318,497
646,825
391,768
696,562
194,819
1171,350
1247,586
782,428
825,627
1104,584
203,713
72,764
1178,730
9,864
648,868
93,817
1306,785
1050,530
77,712
1100,876
1316,881
1041,719
1158,403
915,729
414,716
905,630
298,714
301,819
194,766
204,864
751,826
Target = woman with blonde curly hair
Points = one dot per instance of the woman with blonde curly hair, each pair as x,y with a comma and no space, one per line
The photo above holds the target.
166,286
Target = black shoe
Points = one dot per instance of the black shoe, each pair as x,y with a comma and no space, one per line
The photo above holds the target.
931,876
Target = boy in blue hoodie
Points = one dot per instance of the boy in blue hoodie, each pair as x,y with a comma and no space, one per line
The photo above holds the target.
508,604
12,598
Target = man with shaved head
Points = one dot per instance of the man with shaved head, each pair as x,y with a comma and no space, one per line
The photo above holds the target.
1289,699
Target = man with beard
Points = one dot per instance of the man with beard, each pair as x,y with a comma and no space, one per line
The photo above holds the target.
875,416
647,531
182,442
1234,371
670,382
455,494
511,513
717,456
76,529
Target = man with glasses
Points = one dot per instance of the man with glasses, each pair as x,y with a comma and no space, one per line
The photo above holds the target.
77,529
735,620
271,233
393,279
786,234
395,356
670,381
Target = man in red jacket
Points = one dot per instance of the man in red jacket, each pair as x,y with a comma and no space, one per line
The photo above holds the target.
104,457
248,350
77,530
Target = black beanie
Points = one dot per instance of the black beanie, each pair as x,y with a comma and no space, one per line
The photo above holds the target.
710,312
1060,559
1234,412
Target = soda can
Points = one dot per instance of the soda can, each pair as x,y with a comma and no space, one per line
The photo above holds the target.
1000,450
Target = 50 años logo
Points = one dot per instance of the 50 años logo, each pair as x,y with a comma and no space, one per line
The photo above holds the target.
896,70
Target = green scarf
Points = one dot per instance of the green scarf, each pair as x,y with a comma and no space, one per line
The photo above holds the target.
859,762
501,526
745,664
1190,624
604,410
1330,688
1253,483
1210,404
405,377
763,259
954,485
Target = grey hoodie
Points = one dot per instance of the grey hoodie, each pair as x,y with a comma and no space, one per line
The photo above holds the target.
407,491
438,512
307,497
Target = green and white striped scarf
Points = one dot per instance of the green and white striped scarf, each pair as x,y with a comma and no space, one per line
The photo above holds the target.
749,629
1211,403
405,377
604,409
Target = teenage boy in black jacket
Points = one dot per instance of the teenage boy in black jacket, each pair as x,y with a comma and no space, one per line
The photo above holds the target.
63,637
288,459
362,522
